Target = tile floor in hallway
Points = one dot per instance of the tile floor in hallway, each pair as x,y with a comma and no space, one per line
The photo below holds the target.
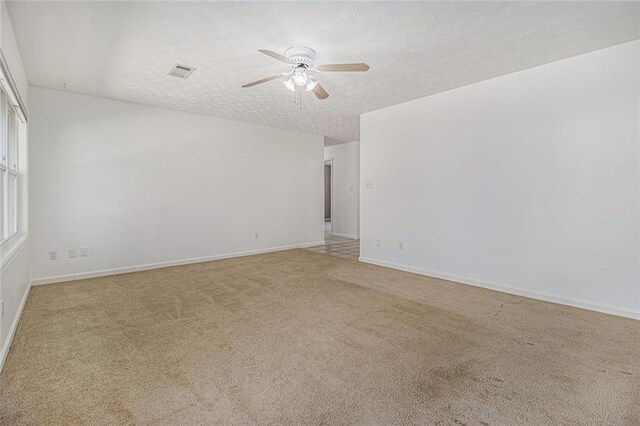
338,246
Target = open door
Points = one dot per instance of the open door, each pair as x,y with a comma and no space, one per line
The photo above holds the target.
328,179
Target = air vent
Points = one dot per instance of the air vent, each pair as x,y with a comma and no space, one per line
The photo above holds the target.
181,71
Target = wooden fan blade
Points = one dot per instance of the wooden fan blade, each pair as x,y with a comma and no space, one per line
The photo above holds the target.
276,56
264,80
320,92
343,67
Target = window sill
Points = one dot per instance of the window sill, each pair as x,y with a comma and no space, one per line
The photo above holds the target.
10,248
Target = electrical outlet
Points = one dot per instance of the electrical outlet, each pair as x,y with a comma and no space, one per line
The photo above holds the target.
53,255
400,245
377,243
257,235
84,251
72,253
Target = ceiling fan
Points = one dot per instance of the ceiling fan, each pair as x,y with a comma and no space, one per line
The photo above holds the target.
301,60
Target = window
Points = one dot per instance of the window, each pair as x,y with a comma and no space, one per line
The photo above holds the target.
9,125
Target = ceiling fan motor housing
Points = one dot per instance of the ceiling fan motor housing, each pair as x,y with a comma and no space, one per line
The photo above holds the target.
301,55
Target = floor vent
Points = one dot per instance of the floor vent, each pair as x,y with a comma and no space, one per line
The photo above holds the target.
181,71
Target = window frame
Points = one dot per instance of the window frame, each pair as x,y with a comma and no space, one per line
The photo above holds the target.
9,152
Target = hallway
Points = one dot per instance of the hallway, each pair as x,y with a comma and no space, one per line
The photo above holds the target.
338,246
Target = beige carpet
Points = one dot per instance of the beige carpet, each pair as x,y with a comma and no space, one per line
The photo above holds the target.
303,338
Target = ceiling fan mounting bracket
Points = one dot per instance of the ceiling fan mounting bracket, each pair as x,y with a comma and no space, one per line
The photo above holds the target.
301,55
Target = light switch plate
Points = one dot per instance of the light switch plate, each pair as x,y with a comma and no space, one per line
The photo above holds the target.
72,253
84,252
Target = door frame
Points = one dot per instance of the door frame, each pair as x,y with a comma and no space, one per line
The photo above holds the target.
327,162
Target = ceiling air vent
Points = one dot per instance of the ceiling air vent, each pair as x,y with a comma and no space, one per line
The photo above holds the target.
181,71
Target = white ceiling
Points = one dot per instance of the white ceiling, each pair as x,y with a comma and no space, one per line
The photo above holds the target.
124,50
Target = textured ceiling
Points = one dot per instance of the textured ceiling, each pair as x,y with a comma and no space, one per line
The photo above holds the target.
123,51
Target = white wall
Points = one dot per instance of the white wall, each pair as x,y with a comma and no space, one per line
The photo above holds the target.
14,254
526,183
141,186
12,53
345,214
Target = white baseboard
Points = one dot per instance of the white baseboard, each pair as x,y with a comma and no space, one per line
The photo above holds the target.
510,290
14,326
353,237
138,268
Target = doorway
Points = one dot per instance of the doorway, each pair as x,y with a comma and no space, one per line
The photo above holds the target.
328,192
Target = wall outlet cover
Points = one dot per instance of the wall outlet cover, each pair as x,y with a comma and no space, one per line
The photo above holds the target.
72,253
53,255
84,251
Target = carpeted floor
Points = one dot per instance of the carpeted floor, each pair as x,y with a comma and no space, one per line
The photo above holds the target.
297,337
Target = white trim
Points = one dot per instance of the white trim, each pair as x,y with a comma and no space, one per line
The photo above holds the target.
628,313
137,268
353,237
11,88
324,192
14,326
6,258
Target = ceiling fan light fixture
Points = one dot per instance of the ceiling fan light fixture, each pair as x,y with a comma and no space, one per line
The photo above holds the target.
311,84
300,77
289,84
